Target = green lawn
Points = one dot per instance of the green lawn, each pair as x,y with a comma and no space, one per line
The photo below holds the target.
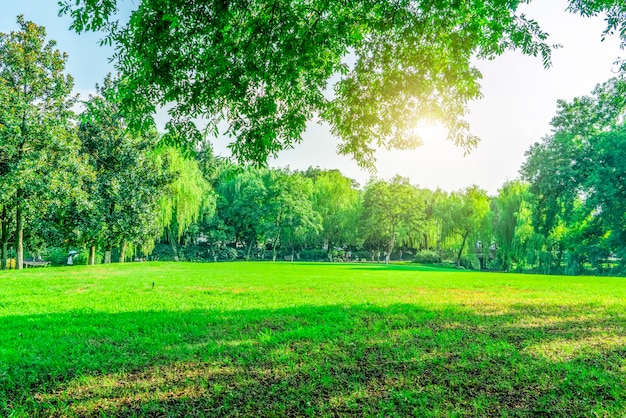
250,339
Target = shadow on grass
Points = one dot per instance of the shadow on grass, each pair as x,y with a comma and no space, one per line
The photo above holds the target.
316,360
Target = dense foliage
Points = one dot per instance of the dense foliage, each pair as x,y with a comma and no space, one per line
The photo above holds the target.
369,68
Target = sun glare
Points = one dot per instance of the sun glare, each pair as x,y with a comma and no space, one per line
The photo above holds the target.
430,132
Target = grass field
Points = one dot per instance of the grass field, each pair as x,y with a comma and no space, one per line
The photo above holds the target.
276,339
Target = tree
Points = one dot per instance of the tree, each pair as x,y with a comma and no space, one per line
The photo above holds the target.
465,214
576,176
241,198
265,67
506,208
186,197
129,178
337,202
389,205
38,149
288,213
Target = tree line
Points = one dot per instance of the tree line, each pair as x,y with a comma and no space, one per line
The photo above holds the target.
104,181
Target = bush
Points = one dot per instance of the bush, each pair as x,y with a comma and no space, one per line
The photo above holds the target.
471,263
162,252
314,255
56,255
226,253
194,253
427,257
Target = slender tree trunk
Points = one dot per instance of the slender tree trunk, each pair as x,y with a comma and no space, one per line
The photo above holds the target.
274,252
4,255
293,253
123,252
458,257
274,245
5,237
248,250
107,254
92,255
19,241
173,244
390,248
330,251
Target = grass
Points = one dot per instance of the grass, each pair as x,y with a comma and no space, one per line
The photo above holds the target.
277,339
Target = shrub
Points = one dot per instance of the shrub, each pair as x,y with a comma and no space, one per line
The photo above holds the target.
427,257
226,253
55,255
194,252
471,263
162,252
313,255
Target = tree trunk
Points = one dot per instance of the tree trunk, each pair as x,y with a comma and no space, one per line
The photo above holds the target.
458,257
274,245
19,241
5,238
107,254
92,255
174,245
4,255
390,248
123,252
249,249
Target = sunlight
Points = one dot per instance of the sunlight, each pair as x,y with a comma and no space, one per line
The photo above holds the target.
431,132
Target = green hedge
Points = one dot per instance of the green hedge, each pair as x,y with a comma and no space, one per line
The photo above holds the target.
427,257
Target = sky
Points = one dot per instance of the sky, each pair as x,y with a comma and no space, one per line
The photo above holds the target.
519,100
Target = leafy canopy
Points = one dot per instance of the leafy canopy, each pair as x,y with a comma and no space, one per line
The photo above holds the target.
260,70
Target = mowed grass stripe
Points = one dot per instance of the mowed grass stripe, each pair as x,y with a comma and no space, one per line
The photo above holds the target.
233,339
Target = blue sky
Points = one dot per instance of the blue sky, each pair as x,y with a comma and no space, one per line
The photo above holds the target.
519,99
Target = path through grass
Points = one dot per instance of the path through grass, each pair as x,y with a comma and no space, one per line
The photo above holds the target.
251,339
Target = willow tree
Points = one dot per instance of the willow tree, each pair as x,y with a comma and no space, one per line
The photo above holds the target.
506,209
464,215
241,203
337,201
187,196
38,151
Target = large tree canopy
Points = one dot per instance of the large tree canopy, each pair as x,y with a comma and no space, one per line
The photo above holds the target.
370,68
38,152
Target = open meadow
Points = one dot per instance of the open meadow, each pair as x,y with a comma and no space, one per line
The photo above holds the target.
259,339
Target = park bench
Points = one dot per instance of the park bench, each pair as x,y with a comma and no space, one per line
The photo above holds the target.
34,263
